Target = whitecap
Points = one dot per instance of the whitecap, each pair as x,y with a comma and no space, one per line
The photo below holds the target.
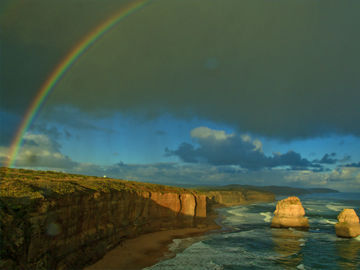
235,212
301,267
335,207
267,216
175,244
328,221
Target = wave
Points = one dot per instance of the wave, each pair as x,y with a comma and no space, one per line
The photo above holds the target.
335,207
175,245
267,216
328,221
235,212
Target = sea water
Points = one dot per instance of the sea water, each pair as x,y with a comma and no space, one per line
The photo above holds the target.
250,243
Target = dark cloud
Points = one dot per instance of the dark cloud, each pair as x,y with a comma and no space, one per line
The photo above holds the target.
327,159
215,147
313,168
71,117
290,158
42,128
35,37
281,69
332,159
53,132
354,165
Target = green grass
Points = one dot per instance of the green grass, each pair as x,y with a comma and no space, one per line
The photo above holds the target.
20,183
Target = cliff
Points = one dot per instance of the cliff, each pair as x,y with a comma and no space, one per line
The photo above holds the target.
225,198
289,213
348,225
62,221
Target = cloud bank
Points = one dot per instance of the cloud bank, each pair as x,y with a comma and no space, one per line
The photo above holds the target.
280,69
215,147
42,151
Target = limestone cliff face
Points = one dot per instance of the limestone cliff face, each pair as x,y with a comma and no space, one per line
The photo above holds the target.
72,231
230,198
348,225
289,213
60,221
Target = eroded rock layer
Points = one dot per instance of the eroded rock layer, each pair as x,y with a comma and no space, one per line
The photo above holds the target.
289,213
348,224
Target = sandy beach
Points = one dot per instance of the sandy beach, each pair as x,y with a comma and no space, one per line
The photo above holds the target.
145,250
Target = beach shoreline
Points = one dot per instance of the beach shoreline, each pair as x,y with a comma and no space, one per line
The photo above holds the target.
148,249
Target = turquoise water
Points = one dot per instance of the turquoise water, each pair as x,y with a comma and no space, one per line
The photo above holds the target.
252,244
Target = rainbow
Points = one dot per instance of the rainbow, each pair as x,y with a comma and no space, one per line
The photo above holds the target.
75,53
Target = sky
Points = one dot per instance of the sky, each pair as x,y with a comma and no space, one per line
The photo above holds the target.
187,92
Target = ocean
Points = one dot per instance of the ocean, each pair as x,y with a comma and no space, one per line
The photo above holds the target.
248,242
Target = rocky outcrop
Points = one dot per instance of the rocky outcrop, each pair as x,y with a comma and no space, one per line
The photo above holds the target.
348,225
289,213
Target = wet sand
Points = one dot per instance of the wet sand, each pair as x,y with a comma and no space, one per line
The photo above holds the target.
145,250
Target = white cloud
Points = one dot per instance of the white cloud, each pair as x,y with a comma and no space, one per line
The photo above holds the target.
205,132
39,151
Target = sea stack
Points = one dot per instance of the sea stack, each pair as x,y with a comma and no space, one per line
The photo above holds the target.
290,213
348,225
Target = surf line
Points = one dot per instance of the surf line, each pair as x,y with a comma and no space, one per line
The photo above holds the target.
75,53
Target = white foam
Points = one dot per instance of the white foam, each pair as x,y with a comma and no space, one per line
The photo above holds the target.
301,267
267,216
235,213
357,238
335,207
174,245
328,221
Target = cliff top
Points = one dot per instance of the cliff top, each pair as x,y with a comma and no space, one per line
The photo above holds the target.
21,187
16,183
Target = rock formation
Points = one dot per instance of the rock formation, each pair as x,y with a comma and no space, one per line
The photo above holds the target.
289,213
348,225
61,221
